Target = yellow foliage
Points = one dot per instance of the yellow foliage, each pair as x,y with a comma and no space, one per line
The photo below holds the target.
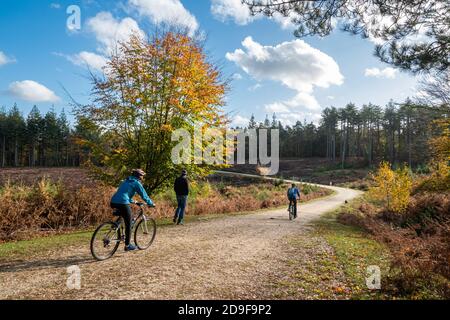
438,180
392,187
153,86
441,144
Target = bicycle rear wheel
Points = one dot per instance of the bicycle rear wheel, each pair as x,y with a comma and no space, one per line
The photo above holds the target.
105,241
291,212
145,233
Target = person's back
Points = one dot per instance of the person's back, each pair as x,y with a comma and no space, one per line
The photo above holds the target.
293,193
181,188
127,189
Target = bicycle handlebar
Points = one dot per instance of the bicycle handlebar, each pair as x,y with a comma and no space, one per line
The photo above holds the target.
141,204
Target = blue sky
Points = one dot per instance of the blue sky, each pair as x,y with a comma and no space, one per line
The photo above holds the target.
272,70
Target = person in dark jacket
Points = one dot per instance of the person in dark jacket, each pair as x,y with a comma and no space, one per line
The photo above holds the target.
181,187
123,197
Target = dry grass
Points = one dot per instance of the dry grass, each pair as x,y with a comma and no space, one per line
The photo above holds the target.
315,170
47,208
72,178
419,241
69,200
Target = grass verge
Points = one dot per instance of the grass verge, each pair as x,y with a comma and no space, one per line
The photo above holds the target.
355,251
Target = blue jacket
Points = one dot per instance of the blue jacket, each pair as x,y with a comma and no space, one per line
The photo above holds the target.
293,193
127,189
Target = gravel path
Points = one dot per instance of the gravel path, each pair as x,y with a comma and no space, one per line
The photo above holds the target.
224,258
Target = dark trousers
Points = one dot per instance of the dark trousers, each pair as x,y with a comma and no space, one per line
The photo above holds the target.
293,202
179,212
126,214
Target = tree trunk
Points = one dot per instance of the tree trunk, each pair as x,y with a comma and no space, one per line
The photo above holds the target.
4,152
16,153
345,145
33,152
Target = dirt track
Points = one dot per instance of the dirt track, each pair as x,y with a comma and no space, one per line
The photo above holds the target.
223,258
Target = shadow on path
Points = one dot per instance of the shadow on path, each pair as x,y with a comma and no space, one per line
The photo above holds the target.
23,265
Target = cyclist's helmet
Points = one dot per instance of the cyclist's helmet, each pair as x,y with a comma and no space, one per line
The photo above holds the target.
138,173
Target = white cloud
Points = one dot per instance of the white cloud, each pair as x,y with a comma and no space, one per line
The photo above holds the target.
375,22
296,65
388,73
277,107
239,13
55,6
32,91
109,31
290,118
89,59
224,10
170,12
284,22
301,106
5,59
239,121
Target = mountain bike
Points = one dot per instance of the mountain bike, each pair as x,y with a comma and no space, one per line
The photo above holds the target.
292,214
108,236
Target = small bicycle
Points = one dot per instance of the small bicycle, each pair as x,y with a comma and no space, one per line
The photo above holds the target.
108,236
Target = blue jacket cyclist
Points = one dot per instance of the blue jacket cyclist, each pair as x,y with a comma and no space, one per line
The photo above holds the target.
123,197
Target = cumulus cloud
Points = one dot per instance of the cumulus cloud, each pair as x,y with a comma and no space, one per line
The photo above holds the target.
284,22
291,118
108,31
32,91
88,59
224,10
239,121
239,13
295,64
302,106
5,59
375,21
388,73
170,12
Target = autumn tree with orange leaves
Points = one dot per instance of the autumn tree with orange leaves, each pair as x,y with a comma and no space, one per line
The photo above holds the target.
149,88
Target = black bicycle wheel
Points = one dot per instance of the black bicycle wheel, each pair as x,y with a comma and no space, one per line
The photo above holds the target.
291,212
105,241
145,233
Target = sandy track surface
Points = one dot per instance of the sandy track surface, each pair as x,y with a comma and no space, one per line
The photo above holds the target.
224,258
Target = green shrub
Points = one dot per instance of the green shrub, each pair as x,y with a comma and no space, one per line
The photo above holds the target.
262,195
278,182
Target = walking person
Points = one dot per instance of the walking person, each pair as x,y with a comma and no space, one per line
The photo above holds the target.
181,187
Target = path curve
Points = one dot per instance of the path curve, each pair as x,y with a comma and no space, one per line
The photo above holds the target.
223,258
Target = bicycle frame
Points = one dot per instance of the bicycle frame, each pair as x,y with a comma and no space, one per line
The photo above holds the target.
120,222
